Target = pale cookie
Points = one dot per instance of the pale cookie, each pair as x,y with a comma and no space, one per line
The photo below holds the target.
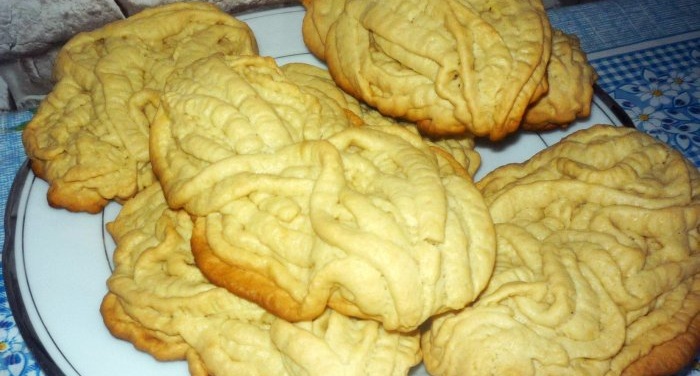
451,66
305,204
271,107
596,266
371,222
220,107
319,83
460,148
313,78
159,300
570,80
89,138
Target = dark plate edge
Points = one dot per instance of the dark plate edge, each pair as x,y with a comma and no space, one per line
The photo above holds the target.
9,269
614,107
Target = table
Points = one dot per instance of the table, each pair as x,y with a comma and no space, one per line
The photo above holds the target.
647,55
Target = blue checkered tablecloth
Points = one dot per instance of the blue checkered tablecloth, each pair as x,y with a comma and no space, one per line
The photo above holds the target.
647,54
659,88
607,24
15,357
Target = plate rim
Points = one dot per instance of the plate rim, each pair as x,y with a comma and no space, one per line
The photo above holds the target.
20,314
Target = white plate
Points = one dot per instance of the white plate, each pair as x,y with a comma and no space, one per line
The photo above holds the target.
56,263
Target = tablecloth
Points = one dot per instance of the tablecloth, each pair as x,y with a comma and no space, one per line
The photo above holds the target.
647,54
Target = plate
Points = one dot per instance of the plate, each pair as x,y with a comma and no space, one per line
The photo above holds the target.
56,263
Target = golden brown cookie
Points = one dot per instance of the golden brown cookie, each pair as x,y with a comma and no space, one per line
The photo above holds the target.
159,300
370,222
596,267
89,138
277,168
319,83
221,107
570,80
451,66
319,80
158,344
156,290
265,113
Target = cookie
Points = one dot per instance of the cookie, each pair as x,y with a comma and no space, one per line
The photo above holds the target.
370,222
596,266
461,148
453,67
570,80
89,138
220,107
159,300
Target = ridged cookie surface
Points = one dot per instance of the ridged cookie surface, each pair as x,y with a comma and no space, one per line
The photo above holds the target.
89,138
570,92
371,222
303,204
159,300
220,107
460,148
452,66
597,262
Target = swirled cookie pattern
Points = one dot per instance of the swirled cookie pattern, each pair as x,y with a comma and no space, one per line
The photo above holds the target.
301,204
159,300
451,66
570,79
343,223
596,269
461,148
220,107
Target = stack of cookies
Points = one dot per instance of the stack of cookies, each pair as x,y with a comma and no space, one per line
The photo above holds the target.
288,220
